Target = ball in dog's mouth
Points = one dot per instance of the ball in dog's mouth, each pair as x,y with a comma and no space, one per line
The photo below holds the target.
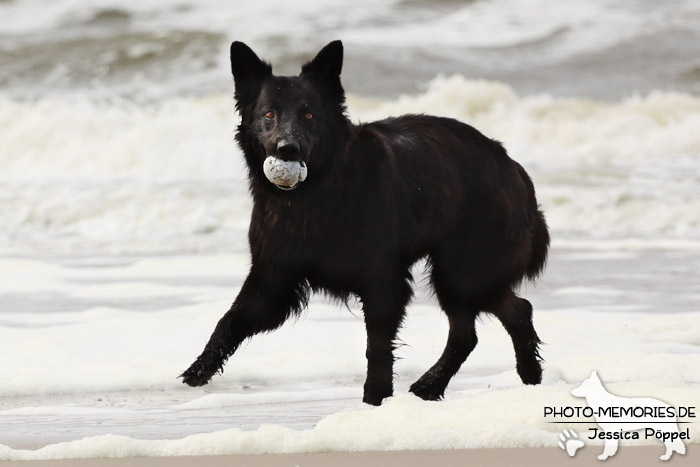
286,175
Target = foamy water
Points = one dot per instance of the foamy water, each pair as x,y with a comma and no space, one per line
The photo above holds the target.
112,176
96,377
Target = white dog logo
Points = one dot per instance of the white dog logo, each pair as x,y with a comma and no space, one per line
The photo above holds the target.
614,426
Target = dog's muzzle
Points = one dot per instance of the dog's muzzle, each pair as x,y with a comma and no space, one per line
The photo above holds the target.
286,175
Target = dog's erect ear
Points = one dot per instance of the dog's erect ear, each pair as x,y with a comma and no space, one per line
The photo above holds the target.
328,62
324,69
248,72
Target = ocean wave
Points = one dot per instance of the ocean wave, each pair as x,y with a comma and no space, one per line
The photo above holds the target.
80,172
150,49
622,168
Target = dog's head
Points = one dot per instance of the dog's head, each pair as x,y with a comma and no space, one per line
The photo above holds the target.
286,121
588,386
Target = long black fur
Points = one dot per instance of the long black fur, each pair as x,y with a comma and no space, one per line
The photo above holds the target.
379,196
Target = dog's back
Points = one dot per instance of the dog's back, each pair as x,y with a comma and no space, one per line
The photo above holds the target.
457,189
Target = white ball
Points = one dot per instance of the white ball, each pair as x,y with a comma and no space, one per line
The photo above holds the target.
284,174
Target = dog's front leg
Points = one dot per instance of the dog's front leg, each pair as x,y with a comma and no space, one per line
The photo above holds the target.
384,312
265,301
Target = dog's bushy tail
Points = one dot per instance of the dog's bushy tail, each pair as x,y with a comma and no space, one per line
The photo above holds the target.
540,247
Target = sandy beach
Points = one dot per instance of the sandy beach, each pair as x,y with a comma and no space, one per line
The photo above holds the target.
626,457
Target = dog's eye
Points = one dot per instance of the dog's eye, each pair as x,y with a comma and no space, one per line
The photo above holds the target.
308,116
270,115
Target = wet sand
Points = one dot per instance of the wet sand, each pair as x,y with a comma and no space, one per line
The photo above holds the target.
626,456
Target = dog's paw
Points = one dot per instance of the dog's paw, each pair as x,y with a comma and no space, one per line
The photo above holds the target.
375,396
372,399
209,363
198,374
530,372
376,391
569,442
427,391
195,377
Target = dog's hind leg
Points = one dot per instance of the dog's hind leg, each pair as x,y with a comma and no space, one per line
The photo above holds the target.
460,343
448,277
515,314
384,309
265,301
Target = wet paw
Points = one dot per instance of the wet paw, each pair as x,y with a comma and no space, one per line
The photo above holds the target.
194,376
374,394
428,391
372,399
530,372
200,372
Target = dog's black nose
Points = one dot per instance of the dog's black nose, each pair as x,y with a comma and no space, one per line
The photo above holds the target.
287,149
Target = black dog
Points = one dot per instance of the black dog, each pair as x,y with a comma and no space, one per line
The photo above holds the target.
377,198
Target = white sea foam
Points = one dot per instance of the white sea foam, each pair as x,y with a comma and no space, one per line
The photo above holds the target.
502,416
167,176
104,363
665,367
